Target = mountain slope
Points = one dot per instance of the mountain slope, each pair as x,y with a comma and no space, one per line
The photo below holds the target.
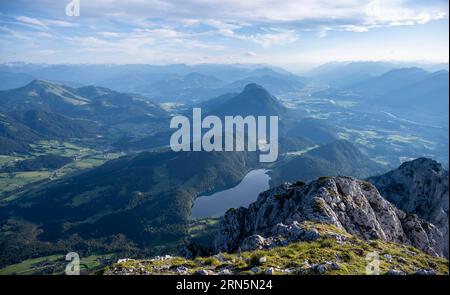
146,199
19,129
391,81
337,158
41,95
316,130
429,95
14,136
345,74
418,187
54,126
408,93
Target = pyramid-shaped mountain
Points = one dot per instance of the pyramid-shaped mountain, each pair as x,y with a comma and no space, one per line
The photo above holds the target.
253,100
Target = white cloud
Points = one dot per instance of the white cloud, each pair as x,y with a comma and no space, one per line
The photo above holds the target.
110,34
13,33
267,39
357,29
44,24
395,12
31,21
323,31
163,33
343,12
60,23
140,42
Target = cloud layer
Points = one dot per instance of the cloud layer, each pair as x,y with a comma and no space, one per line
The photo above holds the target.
202,30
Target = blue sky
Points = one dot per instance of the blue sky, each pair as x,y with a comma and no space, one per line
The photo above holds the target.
286,33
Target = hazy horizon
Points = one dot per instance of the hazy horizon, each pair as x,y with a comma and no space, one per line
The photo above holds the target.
295,69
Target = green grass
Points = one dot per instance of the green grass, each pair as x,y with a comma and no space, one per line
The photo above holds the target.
296,257
93,262
16,180
5,160
55,264
200,226
29,266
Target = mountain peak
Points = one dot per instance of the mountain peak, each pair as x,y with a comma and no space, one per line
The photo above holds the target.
254,86
39,83
257,93
46,85
418,187
422,164
254,100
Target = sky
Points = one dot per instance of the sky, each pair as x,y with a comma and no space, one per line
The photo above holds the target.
277,32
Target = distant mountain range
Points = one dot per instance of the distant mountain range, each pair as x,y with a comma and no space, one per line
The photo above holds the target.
411,93
390,81
406,92
171,83
346,74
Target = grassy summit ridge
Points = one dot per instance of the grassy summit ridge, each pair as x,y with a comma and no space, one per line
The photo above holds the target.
335,252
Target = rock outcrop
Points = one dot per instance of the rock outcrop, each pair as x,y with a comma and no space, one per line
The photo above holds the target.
354,206
419,187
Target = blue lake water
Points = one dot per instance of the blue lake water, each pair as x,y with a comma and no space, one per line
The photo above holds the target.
246,192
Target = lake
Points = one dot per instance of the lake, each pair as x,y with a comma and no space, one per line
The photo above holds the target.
246,192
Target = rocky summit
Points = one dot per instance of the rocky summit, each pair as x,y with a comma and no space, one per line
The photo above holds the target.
326,250
352,205
419,187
